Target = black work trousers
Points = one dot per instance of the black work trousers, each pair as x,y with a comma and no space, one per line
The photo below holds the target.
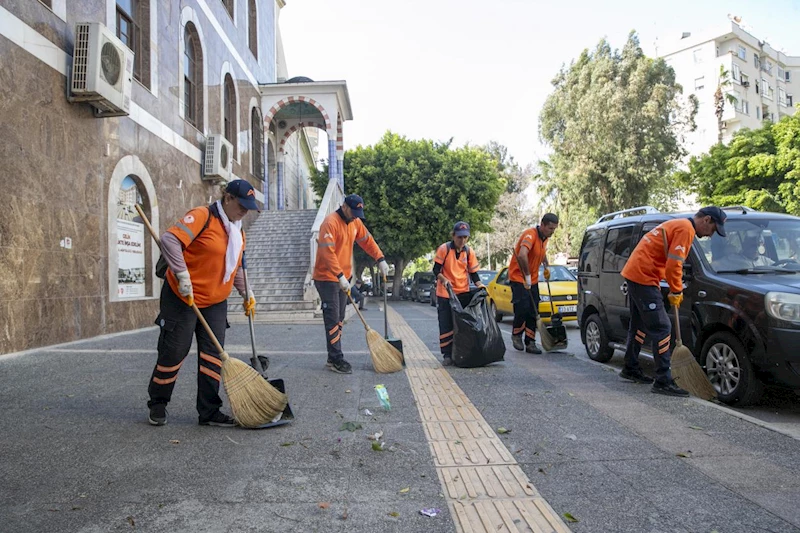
334,305
178,325
526,310
649,318
446,331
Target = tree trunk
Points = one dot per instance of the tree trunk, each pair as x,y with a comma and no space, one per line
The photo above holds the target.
399,266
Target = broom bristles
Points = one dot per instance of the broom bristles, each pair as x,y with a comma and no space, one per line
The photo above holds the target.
689,375
385,358
254,401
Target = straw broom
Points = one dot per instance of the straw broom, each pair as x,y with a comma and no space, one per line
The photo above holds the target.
385,357
547,340
254,401
686,371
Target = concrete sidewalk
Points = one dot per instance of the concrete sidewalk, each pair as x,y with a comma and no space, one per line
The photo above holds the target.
78,454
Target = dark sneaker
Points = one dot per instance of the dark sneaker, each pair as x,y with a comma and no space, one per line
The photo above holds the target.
158,415
329,363
363,309
219,419
341,367
516,340
636,376
668,389
532,348
447,361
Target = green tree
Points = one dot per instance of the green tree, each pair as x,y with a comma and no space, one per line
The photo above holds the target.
615,122
415,190
721,96
758,168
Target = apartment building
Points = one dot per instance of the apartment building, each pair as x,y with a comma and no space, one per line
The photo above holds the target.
765,82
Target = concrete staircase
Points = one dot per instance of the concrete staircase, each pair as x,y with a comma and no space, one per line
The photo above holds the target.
278,260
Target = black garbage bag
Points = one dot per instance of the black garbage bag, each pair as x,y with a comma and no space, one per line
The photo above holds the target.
477,340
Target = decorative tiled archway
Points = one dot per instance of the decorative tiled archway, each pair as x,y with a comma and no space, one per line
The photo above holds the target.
294,99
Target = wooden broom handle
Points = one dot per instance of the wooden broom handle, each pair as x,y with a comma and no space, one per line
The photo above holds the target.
678,341
222,353
357,311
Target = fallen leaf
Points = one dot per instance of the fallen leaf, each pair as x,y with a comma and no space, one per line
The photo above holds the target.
348,391
571,437
350,426
542,471
174,441
403,491
458,442
394,514
698,428
76,508
503,431
323,505
131,522
377,446
70,395
570,518
570,394
682,454
288,443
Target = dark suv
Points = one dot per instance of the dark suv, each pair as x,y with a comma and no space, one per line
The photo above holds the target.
741,311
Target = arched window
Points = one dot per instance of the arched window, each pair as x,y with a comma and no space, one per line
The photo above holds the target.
252,27
193,78
257,141
229,112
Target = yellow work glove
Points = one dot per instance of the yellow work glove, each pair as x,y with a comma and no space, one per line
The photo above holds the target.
250,305
675,299
547,274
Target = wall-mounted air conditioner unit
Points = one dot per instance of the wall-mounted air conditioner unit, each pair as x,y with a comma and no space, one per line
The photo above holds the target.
218,162
102,70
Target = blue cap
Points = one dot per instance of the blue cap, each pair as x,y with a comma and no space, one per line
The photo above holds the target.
243,192
718,216
461,229
356,205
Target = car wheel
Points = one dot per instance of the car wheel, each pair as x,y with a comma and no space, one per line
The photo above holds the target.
595,340
498,317
730,371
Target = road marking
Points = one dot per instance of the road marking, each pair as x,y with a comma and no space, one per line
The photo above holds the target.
485,489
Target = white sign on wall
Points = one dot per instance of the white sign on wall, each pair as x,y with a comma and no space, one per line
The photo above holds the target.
130,251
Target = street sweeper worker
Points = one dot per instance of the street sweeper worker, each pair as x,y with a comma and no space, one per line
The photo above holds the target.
203,251
333,269
660,255
455,263
530,252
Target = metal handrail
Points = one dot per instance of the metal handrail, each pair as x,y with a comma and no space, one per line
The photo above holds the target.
643,210
331,200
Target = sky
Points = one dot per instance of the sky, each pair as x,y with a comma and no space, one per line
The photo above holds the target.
477,71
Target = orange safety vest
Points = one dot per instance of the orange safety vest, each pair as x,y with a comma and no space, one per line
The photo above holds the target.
660,255
537,251
455,267
335,247
204,256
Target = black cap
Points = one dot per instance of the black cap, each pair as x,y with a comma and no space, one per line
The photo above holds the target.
717,215
243,192
461,229
356,205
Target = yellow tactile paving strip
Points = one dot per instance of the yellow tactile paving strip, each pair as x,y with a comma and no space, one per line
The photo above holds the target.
485,488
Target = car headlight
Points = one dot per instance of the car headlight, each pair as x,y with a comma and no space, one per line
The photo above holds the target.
783,306
545,298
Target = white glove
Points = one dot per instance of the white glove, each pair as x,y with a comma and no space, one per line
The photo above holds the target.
184,284
344,284
528,280
383,267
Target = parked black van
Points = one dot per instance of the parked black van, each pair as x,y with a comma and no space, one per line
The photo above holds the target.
741,310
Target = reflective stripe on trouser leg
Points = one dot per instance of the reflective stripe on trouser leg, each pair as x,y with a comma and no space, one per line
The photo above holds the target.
177,322
333,306
446,337
524,312
655,323
208,361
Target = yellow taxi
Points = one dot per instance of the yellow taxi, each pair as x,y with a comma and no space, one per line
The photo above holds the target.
562,282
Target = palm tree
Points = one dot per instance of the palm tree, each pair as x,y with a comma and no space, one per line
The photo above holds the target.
720,97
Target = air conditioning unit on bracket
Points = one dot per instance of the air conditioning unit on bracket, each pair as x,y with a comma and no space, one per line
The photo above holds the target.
102,70
218,160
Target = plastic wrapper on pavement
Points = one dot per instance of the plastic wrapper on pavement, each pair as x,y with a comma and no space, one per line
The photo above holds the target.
477,340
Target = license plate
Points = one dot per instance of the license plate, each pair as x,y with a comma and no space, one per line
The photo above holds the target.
567,308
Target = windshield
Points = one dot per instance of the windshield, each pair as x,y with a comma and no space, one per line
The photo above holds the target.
426,279
557,273
486,276
755,246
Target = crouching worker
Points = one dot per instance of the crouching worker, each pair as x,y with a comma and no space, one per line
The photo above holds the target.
455,264
203,251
